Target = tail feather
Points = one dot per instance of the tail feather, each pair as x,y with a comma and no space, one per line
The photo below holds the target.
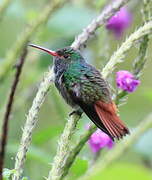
92,114
107,113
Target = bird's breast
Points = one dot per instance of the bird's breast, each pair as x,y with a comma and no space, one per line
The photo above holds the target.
60,85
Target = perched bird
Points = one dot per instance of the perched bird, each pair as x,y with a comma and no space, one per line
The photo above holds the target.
83,88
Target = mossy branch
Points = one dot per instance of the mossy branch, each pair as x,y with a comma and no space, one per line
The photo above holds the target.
118,150
24,37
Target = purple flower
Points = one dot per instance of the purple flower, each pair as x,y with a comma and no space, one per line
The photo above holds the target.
119,22
126,81
99,140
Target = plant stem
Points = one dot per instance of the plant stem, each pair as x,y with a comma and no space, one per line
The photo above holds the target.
57,171
120,96
76,149
3,141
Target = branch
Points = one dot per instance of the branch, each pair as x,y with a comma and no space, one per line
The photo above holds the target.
117,151
31,121
97,22
26,34
57,171
76,149
4,7
8,111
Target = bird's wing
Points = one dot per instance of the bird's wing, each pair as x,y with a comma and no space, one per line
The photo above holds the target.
87,85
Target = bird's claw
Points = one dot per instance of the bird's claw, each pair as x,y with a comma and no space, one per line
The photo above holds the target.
78,112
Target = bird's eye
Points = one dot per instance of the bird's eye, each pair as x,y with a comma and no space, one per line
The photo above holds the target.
66,56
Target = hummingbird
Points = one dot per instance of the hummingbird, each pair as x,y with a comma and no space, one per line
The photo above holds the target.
84,89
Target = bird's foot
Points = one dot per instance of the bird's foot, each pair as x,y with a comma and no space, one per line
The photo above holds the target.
76,111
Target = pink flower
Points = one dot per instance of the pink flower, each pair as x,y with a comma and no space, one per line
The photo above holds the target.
99,140
126,81
119,22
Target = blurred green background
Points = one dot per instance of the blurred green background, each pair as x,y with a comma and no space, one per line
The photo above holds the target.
59,31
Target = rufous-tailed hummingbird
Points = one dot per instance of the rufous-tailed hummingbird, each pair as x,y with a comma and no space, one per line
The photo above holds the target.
83,88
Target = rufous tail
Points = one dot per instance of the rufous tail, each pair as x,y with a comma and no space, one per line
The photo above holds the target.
107,113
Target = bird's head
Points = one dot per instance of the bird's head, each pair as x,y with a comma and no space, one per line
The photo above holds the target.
67,54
